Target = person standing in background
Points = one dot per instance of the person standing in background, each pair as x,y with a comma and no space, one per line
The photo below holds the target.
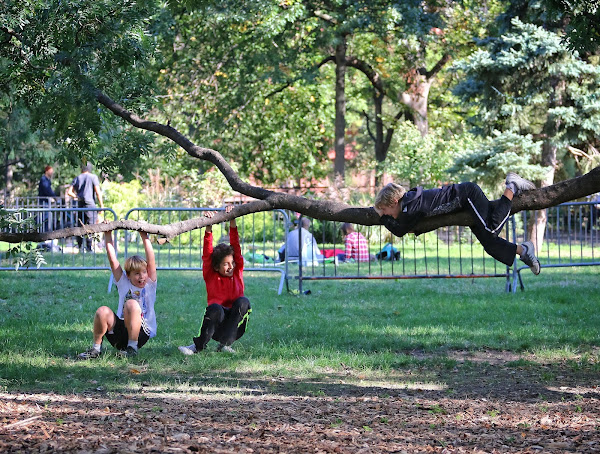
86,188
45,191
47,197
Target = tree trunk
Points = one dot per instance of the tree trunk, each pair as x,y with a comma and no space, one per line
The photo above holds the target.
381,148
416,98
340,110
8,178
537,227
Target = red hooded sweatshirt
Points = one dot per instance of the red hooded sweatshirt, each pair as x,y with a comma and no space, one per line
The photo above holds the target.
219,289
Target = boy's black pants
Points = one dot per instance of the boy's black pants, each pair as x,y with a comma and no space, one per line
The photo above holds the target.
489,217
222,324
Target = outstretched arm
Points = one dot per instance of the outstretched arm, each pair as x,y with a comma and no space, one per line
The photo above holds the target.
402,225
113,262
232,223
150,260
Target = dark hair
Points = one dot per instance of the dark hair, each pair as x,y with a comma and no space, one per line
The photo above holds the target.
219,253
346,228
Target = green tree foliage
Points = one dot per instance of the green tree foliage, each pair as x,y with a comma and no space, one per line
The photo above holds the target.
527,83
236,62
417,160
54,54
23,152
582,18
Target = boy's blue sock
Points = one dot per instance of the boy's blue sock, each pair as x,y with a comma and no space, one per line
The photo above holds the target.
98,347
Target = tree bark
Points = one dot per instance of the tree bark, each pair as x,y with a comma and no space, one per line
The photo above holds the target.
8,178
267,200
416,99
340,110
537,228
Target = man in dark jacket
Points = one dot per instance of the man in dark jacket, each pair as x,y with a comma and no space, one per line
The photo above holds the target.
45,192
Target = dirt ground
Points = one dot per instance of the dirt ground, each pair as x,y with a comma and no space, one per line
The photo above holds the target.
485,402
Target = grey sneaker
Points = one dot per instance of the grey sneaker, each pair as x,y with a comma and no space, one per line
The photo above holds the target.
528,257
188,350
225,348
518,184
92,353
129,352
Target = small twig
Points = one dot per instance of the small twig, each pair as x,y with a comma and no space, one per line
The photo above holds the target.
22,423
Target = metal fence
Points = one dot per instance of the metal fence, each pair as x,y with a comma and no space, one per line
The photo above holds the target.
39,202
571,236
260,236
450,252
571,239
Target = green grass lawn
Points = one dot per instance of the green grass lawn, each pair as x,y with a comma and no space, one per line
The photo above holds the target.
371,328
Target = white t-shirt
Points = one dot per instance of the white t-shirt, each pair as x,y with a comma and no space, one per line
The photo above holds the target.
310,249
146,297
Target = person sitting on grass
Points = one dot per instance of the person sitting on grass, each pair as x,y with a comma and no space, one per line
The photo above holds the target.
135,321
355,244
228,309
401,210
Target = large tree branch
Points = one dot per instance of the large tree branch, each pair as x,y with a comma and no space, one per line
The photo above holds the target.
437,67
270,200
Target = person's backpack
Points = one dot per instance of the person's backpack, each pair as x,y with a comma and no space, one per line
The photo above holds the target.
388,252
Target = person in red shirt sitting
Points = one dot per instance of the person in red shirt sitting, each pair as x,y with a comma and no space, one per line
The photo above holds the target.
228,309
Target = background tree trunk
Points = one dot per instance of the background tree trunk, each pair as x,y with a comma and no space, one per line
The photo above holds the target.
340,110
416,99
8,178
537,227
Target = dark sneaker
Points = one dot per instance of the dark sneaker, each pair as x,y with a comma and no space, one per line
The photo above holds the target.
129,352
225,348
518,184
528,257
92,353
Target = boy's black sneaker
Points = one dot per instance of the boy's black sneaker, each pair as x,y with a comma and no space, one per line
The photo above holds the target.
528,257
129,352
92,353
518,184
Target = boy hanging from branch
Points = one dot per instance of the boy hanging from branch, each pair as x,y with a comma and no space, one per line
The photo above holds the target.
135,320
401,210
228,308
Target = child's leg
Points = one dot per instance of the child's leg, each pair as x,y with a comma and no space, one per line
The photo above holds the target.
104,320
491,216
132,315
497,247
213,317
235,323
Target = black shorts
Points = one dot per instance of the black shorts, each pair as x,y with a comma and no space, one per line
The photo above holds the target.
120,336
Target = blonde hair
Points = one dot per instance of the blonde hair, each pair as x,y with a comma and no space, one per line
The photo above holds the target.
389,195
135,264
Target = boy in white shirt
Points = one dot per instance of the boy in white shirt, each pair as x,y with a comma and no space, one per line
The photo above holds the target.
135,320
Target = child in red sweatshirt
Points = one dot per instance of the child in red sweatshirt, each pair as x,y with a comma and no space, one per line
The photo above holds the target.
228,309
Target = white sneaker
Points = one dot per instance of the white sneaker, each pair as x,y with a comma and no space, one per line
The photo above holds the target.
225,348
518,184
188,350
528,257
